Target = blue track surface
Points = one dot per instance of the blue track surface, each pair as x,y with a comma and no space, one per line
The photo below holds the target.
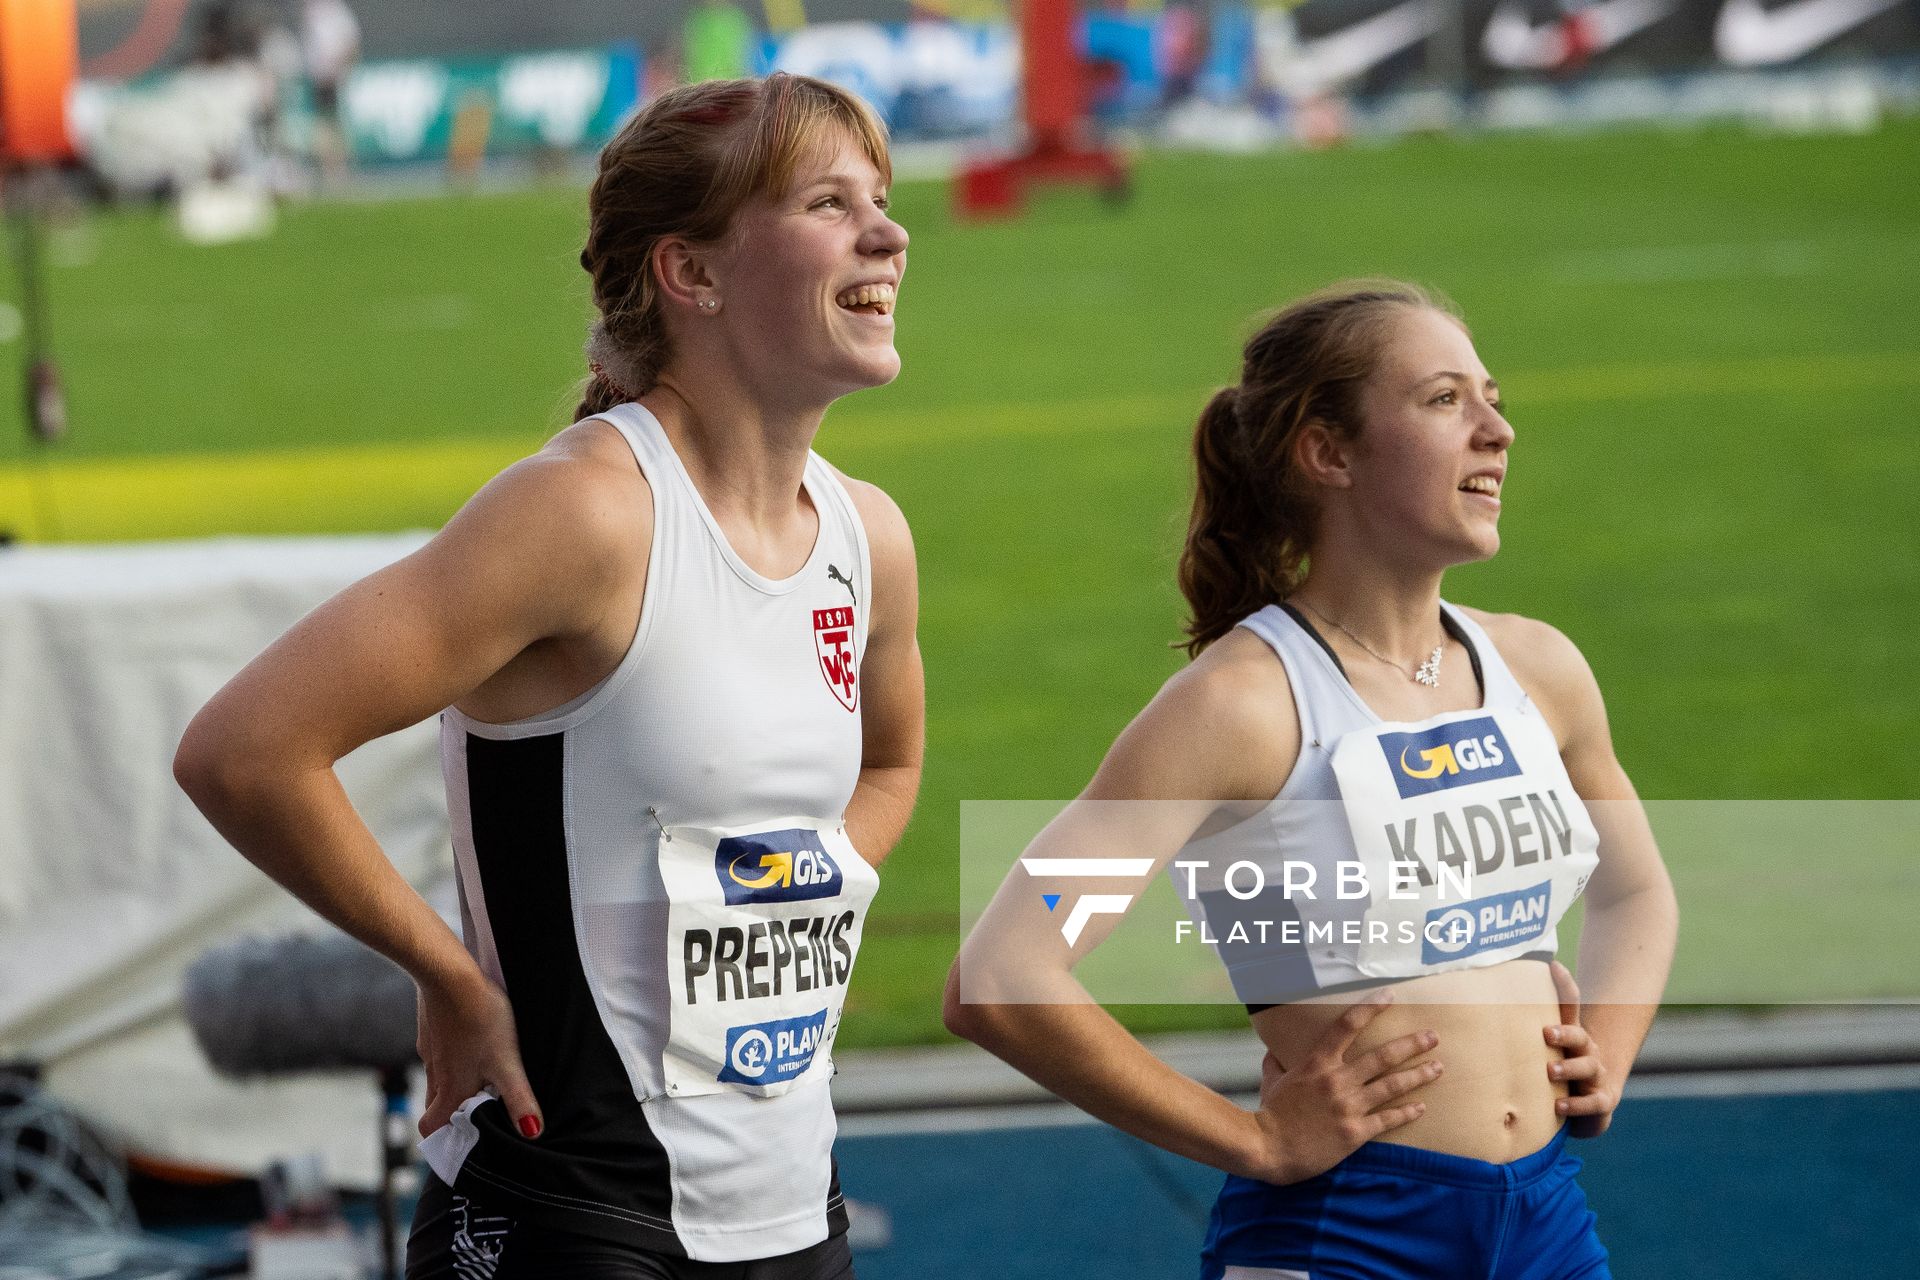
1753,1188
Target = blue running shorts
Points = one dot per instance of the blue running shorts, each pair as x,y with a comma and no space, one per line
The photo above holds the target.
1391,1212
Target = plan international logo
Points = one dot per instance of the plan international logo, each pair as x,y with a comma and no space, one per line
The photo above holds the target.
1451,755
1486,924
772,1052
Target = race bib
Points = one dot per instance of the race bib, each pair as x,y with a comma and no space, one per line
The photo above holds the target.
762,931
1470,836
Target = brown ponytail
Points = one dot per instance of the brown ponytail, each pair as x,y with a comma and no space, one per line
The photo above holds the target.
1252,522
684,166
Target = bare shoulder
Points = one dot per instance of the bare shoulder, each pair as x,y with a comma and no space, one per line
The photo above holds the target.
896,576
564,530
1548,665
885,523
1534,649
1236,677
593,459
582,490
1221,728
1243,692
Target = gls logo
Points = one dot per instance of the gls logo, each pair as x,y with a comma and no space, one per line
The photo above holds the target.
1088,905
775,866
1451,755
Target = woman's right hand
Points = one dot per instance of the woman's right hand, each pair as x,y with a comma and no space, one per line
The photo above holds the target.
468,1043
1317,1114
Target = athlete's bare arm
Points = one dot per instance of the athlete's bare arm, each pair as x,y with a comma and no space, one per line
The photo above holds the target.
893,710
1632,918
1221,730
532,559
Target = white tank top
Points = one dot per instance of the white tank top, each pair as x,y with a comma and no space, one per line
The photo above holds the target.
657,874
1413,848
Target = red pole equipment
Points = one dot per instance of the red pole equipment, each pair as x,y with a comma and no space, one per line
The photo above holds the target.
39,54
1060,146
1055,79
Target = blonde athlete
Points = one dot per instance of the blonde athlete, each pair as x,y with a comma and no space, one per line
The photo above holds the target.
1339,714
683,725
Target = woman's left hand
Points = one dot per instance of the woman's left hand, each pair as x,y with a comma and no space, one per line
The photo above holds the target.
1591,1097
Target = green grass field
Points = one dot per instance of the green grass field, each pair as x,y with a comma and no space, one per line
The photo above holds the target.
1708,341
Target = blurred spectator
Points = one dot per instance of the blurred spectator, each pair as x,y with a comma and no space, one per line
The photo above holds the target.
218,105
330,42
284,62
717,41
229,33
1184,38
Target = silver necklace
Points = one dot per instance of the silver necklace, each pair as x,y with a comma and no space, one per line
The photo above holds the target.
1428,672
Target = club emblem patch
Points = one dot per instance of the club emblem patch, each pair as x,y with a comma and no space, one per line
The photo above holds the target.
833,640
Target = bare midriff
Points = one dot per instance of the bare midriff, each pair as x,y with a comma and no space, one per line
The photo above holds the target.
1494,1101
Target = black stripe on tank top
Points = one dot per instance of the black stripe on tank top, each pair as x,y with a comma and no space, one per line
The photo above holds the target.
1459,633
597,1169
1447,623
1318,639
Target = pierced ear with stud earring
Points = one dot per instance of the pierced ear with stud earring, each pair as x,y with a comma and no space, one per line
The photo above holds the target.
709,304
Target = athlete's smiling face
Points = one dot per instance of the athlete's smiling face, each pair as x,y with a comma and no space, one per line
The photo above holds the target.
1431,457
808,280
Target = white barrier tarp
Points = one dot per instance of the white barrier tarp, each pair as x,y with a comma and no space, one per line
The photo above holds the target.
111,883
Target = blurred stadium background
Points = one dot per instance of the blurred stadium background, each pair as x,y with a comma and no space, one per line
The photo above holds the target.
1685,233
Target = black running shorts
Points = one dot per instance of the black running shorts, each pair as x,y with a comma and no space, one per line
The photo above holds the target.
457,1238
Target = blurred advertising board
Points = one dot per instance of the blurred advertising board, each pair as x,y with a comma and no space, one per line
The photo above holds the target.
936,78
1372,45
1205,73
566,100
171,130
926,79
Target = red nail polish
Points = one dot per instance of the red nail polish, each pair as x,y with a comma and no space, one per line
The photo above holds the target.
529,1126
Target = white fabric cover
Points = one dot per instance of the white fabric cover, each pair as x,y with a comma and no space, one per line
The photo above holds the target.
111,883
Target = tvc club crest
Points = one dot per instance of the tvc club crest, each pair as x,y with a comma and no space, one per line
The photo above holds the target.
833,641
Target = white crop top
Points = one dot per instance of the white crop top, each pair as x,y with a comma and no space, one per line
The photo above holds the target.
1394,849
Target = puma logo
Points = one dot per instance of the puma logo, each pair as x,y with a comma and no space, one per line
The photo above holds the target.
833,572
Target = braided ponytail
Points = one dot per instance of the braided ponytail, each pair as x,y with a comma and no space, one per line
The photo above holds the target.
598,395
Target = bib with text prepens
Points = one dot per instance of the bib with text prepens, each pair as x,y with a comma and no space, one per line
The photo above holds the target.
1471,837
762,931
